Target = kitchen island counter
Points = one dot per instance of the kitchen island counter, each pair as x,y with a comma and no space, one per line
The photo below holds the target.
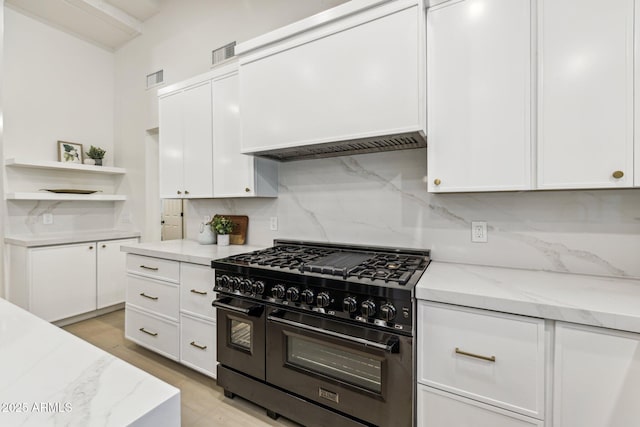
589,300
50,377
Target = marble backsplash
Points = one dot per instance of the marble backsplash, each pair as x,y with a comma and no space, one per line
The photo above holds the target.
381,199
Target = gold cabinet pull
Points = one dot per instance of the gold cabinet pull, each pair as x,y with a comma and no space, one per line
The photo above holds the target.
147,296
194,291
618,174
149,268
90,248
153,334
104,246
477,356
186,192
437,181
179,192
247,189
201,347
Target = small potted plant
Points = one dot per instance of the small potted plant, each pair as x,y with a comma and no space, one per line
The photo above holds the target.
223,226
97,154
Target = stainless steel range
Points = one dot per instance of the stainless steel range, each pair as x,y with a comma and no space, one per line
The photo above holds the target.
320,333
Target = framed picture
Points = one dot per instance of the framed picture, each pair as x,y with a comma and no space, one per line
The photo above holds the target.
70,152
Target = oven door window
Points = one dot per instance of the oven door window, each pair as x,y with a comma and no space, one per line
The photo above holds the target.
336,362
240,334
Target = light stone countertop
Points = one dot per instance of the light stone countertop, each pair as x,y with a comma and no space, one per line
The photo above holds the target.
63,238
589,300
187,250
51,377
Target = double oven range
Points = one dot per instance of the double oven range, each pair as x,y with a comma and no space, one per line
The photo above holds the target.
320,333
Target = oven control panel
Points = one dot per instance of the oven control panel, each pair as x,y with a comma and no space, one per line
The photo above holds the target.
379,306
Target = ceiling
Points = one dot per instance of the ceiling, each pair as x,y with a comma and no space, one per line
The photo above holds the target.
106,23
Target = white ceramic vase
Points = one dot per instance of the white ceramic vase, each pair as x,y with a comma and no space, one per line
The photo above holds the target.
223,240
206,236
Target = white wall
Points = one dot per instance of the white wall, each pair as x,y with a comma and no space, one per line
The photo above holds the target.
55,87
179,40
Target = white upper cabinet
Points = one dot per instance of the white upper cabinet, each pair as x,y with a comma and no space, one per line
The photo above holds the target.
585,93
185,143
355,71
235,174
200,141
479,95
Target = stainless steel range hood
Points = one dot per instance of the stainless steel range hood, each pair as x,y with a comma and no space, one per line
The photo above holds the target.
403,141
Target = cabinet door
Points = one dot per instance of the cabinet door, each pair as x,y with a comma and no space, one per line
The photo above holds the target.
585,117
63,280
197,148
171,137
232,171
111,272
478,86
596,378
441,409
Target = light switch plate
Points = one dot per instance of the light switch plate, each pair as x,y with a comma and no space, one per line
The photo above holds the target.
273,223
47,218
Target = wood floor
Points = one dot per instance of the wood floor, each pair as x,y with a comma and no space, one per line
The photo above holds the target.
203,402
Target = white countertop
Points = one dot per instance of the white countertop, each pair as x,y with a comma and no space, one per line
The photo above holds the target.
590,300
50,377
187,250
64,238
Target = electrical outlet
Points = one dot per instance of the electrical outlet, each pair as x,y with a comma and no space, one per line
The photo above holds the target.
47,218
273,223
479,232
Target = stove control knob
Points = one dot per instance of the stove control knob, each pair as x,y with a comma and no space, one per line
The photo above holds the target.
277,291
388,312
234,283
323,300
349,304
247,286
307,296
368,308
293,294
258,287
223,281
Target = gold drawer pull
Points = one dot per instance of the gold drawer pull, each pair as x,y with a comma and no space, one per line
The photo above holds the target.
194,291
149,268
437,181
477,356
147,296
618,174
153,334
201,347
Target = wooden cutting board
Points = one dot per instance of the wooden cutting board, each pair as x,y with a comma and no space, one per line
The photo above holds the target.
239,234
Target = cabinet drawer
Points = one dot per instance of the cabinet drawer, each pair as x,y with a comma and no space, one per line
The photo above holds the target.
196,290
441,409
157,268
161,298
492,357
155,333
198,344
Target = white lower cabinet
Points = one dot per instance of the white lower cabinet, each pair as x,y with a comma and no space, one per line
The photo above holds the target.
479,362
169,310
441,409
61,281
198,344
596,377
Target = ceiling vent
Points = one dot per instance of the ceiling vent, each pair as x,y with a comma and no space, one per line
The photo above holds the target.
155,79
223,53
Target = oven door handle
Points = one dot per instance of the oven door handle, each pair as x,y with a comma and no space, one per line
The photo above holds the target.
391,346
254,311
